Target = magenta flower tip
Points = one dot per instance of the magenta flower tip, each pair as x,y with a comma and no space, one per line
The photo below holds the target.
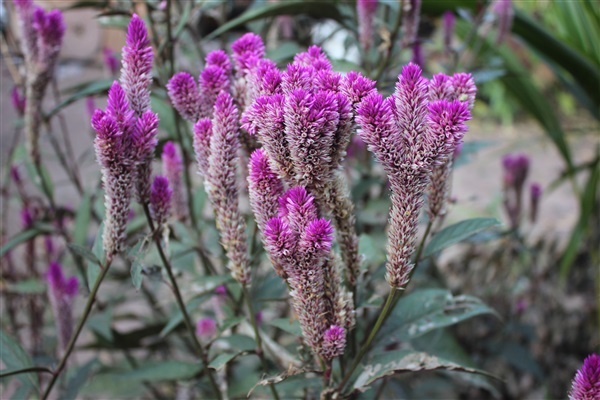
59,283
206,327
586,383
334,342
536,190
319,235
26,217
18,101
314,57
367,5
160,199
249,43
221,290
184,94
137,34
220,59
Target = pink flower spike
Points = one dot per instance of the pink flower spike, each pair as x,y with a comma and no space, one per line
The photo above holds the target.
317,237
160,200
185,96
448,27
264,188
61,292
173,169
247,50
314,57
110,60
586,383
334,342
220,59
202,135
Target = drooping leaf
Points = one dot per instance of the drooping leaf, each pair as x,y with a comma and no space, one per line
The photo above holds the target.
83,252
80,91
426,310
14,357
398,361
230,322
293,7
285,324
79,378
177,317
221,360
25,236
458,232
239,342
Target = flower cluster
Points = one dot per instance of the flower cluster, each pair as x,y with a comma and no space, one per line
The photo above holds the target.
300,242
61,292
409,134
303,117
459,87
42,35
516,170
586,383
126,137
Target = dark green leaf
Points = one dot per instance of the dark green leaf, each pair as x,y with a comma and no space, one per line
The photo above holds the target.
79,378
426,310
293,7
136,255
283,52
28,286
177,317
83,252
24,236
458,232
155,372
230,322
239,342
100,323
14,357
221,360
80,91
398,361
284,324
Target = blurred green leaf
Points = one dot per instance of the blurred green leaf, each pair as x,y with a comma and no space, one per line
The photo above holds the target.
99,323
25,236
80,91
93,268
79,378
157,371
292,7
28,286
239,342
398,361
43,180
83,252
82,220
177,317
230,322
469,149
373,248
285,324
221,360
284,51
160,106
14,357
426,310
458,232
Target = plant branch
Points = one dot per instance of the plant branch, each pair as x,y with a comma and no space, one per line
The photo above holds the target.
26,370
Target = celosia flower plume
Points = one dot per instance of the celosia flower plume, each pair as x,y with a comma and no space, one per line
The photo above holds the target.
160,200
61,292
173,170
586,383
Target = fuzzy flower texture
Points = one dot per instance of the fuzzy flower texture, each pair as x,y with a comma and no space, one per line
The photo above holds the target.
410,135
126,137
586,383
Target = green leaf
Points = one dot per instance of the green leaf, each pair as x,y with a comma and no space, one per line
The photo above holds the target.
136,255
100,323
285,325
239,342
24,236
14,357
294,7
43,180
93,268
80,91
158,371
457,233
221,360
373,248
76,382
177,317
230,322
426,310
136,274
83,252
398,361
82,220
283,52
28,286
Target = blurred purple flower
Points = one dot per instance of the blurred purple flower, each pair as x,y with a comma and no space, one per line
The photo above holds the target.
110,61
535,192
61,292
206,328
173,169
160,200
411,15
586,383
504,14
449,20
26,218
417,54
366,14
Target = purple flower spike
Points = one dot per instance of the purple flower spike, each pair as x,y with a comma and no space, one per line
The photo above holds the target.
213,80
18,101
448,27
535,192
144,142
110,60
136,73
206,328
298,206
447,124
417,54
160,200
26,218
220,59
202,135
61,292
247,50
586,383
184,94
366,14
317,237
222,186
440,88
356,87
463,88
264,187
173,169
504,13
334,342
314,57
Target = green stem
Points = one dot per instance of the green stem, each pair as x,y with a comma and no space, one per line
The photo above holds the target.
260,351
181,304
82,320
26,370
387,307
